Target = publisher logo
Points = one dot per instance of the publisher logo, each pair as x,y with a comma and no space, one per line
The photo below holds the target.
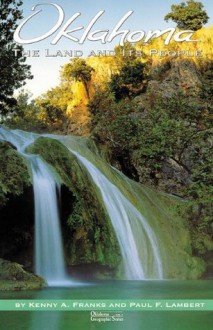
106,316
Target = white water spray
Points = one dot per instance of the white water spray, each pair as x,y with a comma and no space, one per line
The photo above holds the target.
49,259
137,241
127,221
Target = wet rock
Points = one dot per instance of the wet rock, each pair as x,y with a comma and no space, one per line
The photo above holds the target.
14,277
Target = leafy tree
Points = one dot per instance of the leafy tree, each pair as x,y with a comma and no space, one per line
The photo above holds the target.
25,114
172,127
130,81
113,125
24,104
45,113
52,108
13,69
124,54
188,15
79,70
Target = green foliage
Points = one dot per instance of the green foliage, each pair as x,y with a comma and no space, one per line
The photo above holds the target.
112,122
188,15
130,81
176,129
24,106
25,114
207,85
199,208
78,70
45,113
51,111
89,235
124,54
13,69
14,175
55,154
170,128
75,219
14,277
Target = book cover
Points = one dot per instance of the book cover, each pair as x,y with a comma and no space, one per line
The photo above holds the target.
105,165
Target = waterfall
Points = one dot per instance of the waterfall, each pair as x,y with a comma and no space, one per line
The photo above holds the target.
126,221
49,251
49,259
137,241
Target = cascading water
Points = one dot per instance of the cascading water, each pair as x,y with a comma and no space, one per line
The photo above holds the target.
137,241
122,214
49,251
49,259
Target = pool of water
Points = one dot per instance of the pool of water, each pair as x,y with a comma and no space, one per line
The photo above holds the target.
142,320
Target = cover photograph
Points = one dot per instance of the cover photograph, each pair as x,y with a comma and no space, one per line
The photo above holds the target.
106,165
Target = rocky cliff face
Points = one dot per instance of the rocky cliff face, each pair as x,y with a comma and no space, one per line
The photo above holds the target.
168,80
175,76
77,110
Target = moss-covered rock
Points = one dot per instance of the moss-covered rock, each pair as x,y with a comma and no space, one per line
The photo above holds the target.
16,207
89,238
87,230
14,277
88,234
14,174
17,229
